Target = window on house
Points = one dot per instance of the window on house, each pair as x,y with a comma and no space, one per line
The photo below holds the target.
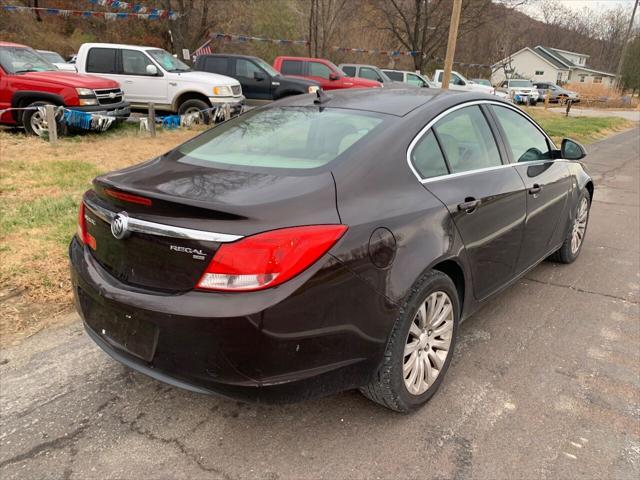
582,77
597,79
539,72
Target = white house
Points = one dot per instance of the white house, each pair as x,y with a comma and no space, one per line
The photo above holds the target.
546,64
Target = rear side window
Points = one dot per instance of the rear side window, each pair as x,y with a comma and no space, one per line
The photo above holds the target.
216,64
467,140
292,67
427,157
526,142
349,71
319,70
397,76
291,138
101,60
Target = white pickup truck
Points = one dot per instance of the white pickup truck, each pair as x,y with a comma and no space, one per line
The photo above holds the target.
152,75
458,82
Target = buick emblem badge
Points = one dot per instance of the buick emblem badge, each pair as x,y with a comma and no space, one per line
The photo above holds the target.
119,225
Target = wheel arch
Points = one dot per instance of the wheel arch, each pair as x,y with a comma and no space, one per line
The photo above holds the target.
189,95
452,269
590,188
25,97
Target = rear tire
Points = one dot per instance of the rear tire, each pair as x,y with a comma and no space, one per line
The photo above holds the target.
392,385
572,246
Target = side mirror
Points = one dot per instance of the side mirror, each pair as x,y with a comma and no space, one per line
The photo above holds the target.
152,70
258,76
572,150
333,76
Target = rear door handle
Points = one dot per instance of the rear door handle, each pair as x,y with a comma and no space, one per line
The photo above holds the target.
535,189
128,81
469,205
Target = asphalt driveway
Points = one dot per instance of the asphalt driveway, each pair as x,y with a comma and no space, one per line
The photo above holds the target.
545,384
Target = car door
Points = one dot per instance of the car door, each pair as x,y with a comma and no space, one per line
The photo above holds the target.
547,181
485,197
139,86
256,83
370,74
413,79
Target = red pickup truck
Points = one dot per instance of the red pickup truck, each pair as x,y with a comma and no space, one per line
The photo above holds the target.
28,80
322,71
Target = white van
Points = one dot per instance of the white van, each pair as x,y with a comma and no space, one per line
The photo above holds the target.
152,75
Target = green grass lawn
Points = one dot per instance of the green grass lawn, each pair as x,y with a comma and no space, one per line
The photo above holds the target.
583,129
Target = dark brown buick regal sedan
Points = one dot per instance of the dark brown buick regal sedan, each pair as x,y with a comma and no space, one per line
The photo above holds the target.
324,243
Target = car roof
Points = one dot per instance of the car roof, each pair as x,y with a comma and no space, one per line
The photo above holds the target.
357,65
118,45
398,101
234,55
11,44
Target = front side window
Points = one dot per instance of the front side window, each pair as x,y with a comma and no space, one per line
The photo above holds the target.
135,62
467,140
21,60
526,142
370,74
247,69
427,157
290,138
319,70
168,61
349,71
292,67
101,60
415,80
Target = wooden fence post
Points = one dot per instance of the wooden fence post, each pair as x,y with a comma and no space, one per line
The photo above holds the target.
52,126
152,120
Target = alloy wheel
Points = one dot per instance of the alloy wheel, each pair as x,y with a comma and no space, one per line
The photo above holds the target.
428,342
38,123
579,226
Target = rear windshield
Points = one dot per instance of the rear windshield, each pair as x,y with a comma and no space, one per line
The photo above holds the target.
285,137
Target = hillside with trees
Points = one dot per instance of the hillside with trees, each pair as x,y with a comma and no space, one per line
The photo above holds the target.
489,30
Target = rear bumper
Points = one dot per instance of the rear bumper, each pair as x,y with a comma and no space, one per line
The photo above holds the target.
120,110
280,345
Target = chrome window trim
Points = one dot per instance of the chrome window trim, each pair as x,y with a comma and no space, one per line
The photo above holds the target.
441,115
161,229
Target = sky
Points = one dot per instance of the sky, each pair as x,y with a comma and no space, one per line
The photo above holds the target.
596,5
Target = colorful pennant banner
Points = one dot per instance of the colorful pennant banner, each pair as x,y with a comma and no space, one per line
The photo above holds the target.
135,8
163,14
246,38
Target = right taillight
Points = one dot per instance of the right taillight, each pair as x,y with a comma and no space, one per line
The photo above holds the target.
84,236
268,259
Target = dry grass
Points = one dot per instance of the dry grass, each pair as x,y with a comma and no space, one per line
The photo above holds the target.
40,187
599,95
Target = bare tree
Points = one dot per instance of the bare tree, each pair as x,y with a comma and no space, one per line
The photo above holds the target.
325,18
192,26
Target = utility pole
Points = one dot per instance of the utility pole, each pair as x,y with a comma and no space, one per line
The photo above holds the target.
624,46
451,44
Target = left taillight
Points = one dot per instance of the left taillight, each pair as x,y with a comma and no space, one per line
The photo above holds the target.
84,236
268,259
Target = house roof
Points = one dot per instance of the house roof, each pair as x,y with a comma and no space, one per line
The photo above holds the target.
560,51
554,57
591,70
547,58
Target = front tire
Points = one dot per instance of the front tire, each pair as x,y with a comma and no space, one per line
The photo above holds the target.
34,121
420,346
196,106
575,237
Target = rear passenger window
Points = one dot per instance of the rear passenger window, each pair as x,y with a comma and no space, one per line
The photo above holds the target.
427,157
101,60
396,76
527,143
216,65
292,67
349,71
467,140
